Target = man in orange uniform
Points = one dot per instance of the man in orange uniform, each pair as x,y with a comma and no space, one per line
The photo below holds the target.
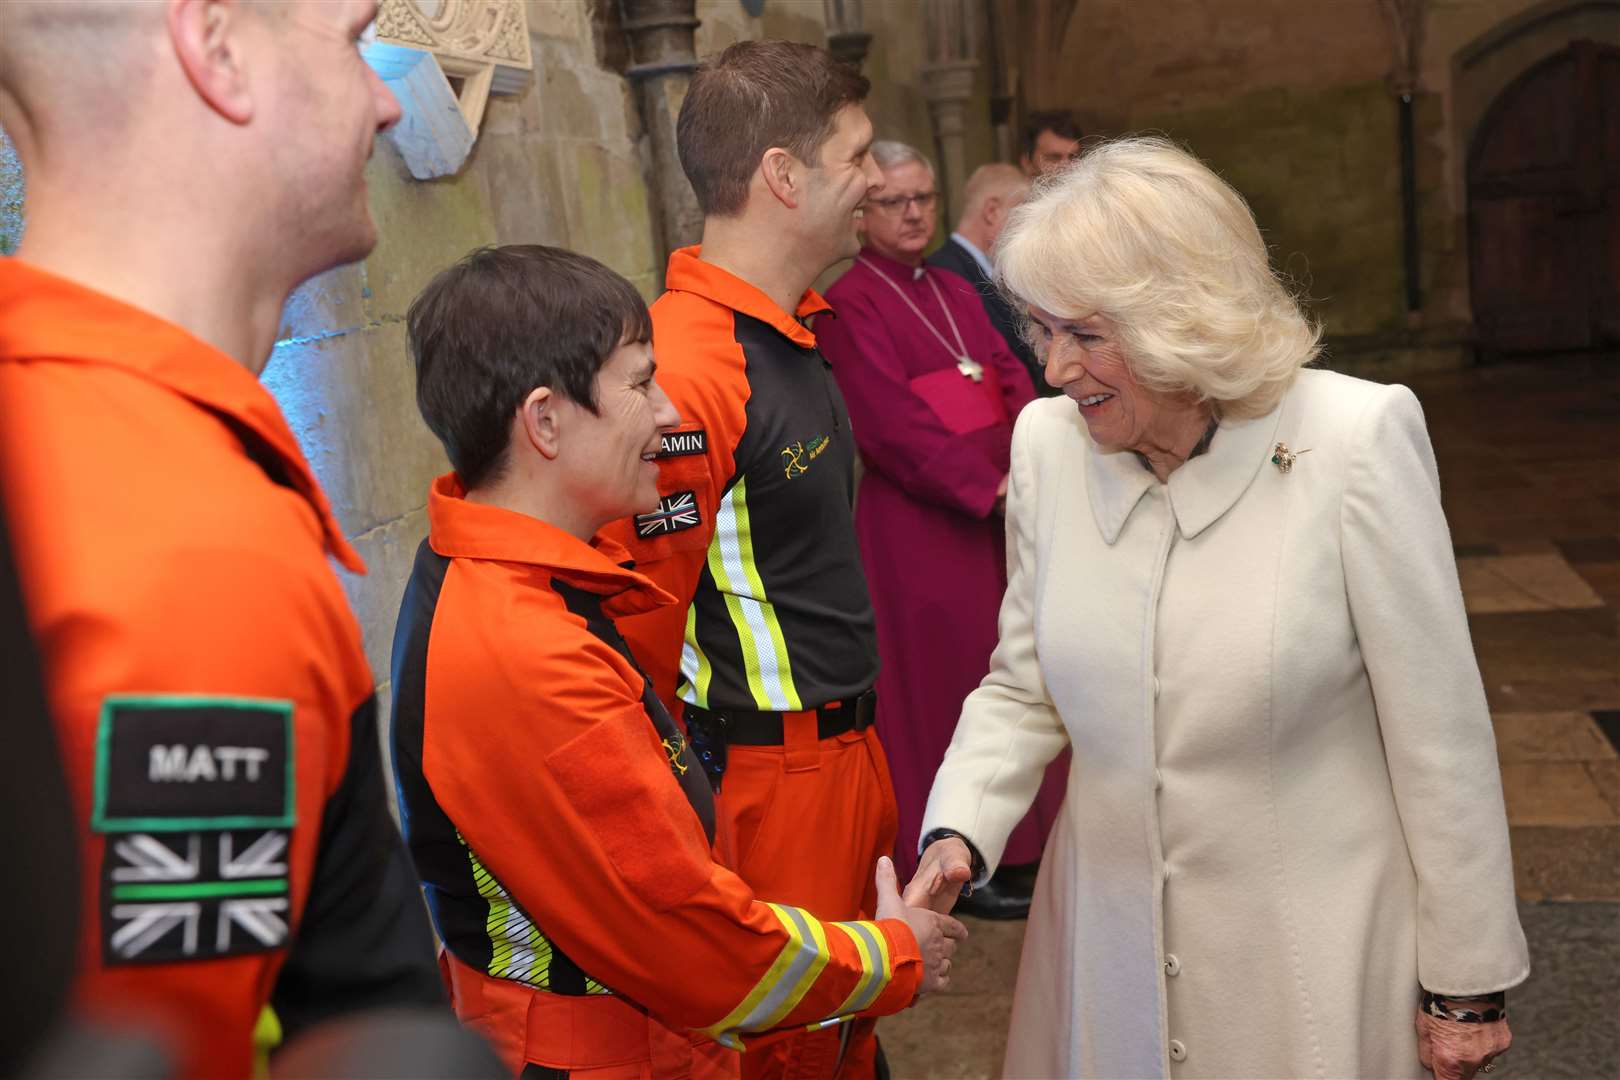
774,659
210,696
559,821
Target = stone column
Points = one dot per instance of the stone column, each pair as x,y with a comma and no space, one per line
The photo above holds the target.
663,56
847,38
947,85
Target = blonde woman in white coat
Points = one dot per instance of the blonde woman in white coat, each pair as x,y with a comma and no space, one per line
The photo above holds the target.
1232,592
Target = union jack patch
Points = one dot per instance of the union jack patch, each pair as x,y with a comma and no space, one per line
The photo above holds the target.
170,897
675,513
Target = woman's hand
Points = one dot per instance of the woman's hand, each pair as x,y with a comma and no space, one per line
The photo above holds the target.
945,867
1455,1051
936,933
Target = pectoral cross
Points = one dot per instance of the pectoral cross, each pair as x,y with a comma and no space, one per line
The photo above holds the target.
970,367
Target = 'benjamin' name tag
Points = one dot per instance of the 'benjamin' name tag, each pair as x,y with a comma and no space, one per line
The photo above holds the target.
170,763
683,443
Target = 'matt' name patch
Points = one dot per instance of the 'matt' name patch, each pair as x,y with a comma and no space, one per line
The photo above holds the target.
175,763
195,795
684,443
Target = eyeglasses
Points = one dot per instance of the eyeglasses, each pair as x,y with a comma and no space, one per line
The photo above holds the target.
897,204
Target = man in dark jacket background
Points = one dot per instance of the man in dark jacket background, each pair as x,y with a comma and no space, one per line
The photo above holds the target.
991,194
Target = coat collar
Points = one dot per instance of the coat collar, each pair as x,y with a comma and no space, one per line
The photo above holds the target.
687,272
43,316
1201,490
458,529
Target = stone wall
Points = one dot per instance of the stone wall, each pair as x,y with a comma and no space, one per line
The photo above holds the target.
11,197
1295,105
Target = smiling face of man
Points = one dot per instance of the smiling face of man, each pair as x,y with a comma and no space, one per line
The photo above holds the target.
323,107
839,183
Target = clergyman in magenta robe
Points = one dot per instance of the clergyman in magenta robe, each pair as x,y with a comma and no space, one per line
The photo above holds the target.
935,447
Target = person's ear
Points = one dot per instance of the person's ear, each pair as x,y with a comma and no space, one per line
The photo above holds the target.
780,171
207,36
540,423
993,211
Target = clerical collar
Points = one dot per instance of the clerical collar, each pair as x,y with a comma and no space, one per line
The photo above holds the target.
893,267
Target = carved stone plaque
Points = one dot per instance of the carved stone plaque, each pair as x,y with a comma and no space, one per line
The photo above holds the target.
420,46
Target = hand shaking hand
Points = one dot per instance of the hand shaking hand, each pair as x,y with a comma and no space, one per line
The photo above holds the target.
945,867
936,932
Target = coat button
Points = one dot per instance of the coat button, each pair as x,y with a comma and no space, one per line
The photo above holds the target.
1157,688
1167,872
1178,1052
1172,965
1158,780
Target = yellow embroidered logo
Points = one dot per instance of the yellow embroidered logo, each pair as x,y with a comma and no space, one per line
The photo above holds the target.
796,456
674,747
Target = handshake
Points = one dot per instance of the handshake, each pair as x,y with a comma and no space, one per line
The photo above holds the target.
926,905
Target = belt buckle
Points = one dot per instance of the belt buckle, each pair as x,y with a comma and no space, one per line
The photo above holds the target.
865,710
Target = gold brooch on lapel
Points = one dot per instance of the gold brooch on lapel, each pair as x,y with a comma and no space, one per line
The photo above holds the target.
1284,458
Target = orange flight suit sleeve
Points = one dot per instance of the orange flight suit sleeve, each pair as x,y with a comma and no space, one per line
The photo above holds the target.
560,787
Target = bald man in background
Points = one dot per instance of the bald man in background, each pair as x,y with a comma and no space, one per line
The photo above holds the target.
188,164
991,193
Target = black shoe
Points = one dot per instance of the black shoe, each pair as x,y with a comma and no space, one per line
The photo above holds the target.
995,899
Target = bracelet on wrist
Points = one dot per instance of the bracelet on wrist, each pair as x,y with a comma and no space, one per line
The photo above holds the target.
1469,1009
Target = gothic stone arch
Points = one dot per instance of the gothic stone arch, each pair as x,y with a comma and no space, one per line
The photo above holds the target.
1491,63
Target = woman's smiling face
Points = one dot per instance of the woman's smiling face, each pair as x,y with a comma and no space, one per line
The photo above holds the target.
1086,361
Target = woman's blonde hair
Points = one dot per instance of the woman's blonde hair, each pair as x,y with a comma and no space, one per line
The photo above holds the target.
1144,233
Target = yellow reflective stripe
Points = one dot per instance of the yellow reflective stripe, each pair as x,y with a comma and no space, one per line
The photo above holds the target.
720,566
786,693
818,954
759,633
877,968
695,667
790,977
517,950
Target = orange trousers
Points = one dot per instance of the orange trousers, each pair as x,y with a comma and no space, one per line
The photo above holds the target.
538,1035
808,820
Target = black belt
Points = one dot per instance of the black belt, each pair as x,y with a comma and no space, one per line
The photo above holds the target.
712,730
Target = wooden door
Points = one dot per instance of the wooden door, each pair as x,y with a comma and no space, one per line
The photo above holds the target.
1544,207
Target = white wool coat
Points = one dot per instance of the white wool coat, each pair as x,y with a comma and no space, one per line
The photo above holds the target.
1284,811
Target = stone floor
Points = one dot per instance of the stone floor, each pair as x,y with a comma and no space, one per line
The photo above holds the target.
1530,469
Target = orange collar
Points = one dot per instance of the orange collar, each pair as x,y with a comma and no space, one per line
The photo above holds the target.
458,529
687,272
46,317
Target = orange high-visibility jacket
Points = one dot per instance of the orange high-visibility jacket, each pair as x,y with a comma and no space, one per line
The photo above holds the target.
559,820
205,676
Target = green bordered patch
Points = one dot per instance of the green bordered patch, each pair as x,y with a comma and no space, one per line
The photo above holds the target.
196,796
173,763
